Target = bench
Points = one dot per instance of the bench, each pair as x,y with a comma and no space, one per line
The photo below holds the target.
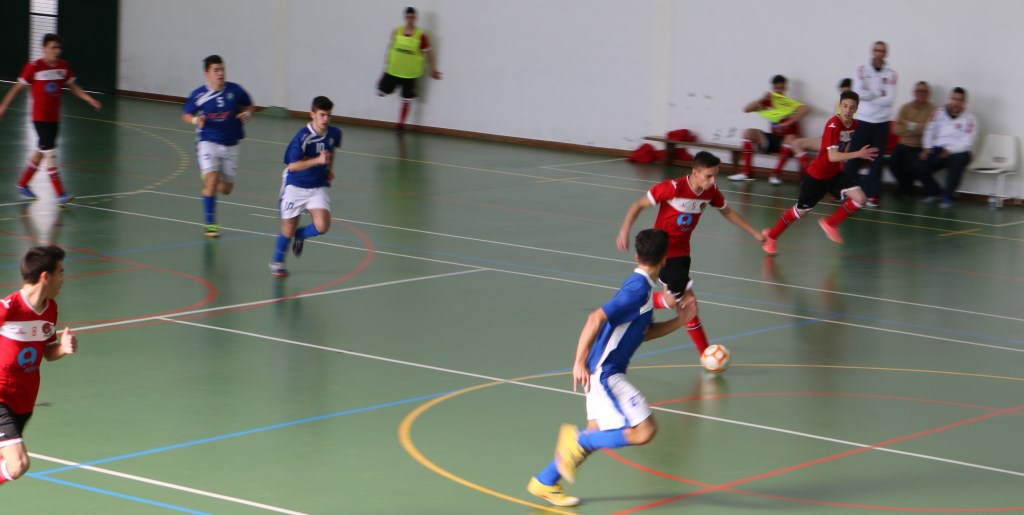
734,151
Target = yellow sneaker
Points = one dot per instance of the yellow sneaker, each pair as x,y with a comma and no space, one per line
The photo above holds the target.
568,452
552,494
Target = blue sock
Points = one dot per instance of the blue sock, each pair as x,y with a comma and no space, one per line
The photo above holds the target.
209,208
610,439
280,248
549,476
306,231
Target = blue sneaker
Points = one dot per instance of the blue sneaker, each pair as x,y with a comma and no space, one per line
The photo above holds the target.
278,269
26,193
64,198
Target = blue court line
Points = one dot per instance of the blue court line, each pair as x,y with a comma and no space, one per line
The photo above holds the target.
115,494
244,433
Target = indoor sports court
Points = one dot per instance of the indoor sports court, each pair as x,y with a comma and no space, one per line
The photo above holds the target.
418,359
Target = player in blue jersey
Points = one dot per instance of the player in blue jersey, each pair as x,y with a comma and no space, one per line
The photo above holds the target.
310,170
217,109
617,413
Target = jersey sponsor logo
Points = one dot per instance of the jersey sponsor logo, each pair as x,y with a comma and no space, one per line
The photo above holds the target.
50,75
27,359
688,205
52,87
47,329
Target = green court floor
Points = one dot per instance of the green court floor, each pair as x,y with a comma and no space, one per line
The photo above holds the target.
417,360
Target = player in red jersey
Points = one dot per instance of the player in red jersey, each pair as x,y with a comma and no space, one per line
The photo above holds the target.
46,79
824,175
28,321
681,202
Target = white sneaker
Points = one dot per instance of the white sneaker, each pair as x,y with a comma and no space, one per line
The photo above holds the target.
740,177
775,180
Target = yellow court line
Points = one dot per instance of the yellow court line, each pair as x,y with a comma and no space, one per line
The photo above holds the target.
405,427
957,233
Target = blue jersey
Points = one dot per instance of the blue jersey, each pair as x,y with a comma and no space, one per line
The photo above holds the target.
307,144
630,312
221,109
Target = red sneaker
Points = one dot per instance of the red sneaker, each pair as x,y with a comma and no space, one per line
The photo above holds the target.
830,231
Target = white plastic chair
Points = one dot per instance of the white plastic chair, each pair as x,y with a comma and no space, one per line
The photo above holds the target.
998,157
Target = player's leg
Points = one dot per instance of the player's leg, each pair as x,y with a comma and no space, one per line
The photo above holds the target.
785,149
852,198
811,192
14,460
26,175
386,84
210,164
228,171
926,168
861,137
409,93
292,203
319,207
751,138
675,275
872,185
955,165
801,147
901,164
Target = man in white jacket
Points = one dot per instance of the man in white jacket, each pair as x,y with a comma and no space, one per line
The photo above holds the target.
948,141
875,82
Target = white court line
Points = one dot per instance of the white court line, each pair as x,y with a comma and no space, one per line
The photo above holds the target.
76,198
273,300
172,486
616,260
395,254
559,390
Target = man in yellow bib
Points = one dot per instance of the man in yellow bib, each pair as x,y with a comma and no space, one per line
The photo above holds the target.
408,49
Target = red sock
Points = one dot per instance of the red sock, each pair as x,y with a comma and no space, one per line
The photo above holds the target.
788,217
784,155
696,330
58,186
659,300
805,160
748,157
404,113
848,208
26,175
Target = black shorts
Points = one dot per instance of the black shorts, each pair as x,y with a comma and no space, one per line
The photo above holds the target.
47,132
813,190
774,143
675,275
388,83
12,425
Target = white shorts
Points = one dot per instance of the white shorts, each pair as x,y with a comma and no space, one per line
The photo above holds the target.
214,157
295,200
616,403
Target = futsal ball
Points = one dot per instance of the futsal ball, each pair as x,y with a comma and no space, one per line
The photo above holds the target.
715,358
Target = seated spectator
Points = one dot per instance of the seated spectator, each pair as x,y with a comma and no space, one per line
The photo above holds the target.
801,146
783,130
909,127
948,140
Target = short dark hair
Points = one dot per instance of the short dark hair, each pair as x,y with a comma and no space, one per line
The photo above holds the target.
852,95
38,260
846,83
52,37
705,159
322,103
960,90
651,246
410,10
778,78
210,61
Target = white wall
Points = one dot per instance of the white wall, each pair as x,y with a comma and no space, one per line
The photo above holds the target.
592,72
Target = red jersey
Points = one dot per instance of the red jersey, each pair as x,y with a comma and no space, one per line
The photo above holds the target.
836,136
24,335
680,211
46,83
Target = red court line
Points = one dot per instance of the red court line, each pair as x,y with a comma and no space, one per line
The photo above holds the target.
835,457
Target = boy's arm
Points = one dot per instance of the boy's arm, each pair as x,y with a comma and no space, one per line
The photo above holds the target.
737,219
80,93
67,344
11,93
686,310
622,241
580,372
796,116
